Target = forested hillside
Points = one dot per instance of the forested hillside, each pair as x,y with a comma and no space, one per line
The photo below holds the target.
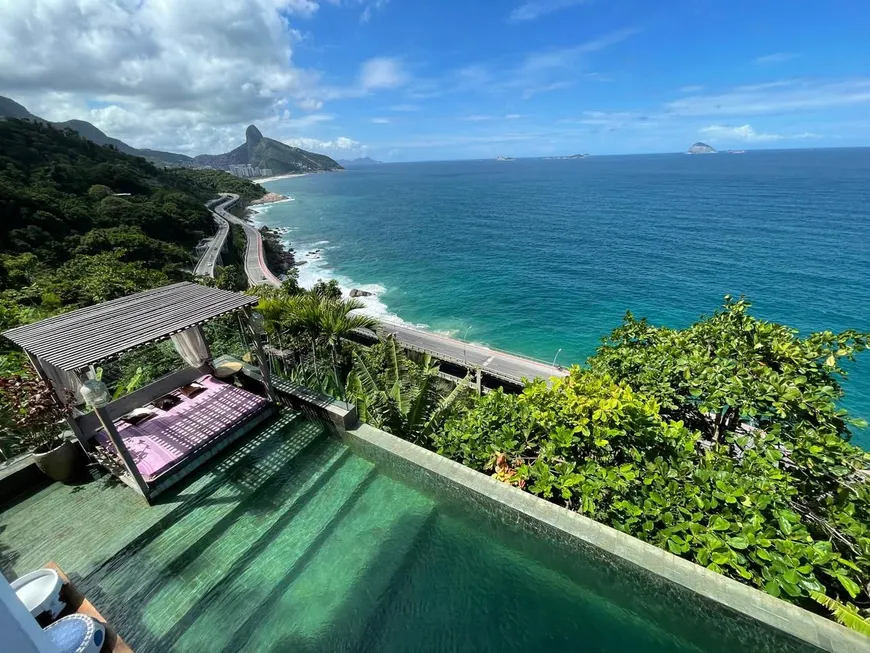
81,223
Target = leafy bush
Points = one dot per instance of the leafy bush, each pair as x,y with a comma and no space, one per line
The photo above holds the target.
721,443
30,414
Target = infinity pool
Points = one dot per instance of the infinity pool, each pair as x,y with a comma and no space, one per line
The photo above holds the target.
290,542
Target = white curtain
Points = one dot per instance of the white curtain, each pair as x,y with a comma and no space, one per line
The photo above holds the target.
191,346
65,384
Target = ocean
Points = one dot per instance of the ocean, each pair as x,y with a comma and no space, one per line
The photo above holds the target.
544,257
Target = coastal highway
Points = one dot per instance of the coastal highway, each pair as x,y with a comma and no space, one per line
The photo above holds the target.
205,267
255,260
492,363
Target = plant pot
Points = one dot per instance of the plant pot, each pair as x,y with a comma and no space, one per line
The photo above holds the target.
59,464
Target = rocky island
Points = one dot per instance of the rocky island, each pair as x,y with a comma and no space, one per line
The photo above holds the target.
268,198
701,148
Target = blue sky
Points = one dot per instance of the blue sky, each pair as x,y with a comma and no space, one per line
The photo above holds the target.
406,80
603,76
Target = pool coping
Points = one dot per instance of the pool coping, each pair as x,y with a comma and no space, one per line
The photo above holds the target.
754,604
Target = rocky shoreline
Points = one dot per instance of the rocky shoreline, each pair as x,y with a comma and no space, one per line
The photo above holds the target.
269,198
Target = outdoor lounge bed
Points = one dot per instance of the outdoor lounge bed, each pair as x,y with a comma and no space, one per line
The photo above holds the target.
150,455
163,441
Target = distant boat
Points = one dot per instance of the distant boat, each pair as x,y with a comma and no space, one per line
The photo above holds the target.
736,151
504,158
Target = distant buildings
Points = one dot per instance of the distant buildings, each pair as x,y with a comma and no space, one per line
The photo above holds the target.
248,171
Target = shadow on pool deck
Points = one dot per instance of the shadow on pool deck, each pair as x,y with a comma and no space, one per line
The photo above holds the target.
82,527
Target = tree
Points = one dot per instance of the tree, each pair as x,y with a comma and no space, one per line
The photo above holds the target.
89,280
402,397
327,289
318,322
732,368
721,443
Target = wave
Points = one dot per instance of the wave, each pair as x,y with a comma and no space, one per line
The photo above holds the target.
317,268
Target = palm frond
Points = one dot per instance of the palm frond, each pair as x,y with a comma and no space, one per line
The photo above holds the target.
421,406
445,408
844,613
367,382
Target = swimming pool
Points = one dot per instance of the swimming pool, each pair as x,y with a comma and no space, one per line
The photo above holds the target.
294,542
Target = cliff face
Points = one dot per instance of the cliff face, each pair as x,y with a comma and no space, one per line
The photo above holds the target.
262,152
701,148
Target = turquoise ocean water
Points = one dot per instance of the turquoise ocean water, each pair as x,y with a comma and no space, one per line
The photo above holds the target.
543,257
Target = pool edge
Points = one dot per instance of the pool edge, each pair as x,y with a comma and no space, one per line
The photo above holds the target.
746,601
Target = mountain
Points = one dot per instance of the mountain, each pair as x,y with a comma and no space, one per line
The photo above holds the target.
262,152
257,150
701,148
11,109
362,161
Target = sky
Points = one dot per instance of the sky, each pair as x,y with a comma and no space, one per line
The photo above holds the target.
410,80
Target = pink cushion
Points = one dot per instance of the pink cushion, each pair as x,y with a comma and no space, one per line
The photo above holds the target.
170,436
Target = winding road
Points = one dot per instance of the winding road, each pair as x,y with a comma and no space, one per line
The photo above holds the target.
206,265
257,271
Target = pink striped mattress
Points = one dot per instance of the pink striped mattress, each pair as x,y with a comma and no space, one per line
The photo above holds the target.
168,437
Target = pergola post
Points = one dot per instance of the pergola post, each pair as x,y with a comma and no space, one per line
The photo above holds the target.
262,363
122,450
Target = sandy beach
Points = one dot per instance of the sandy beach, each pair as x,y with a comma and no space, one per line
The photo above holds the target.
277,177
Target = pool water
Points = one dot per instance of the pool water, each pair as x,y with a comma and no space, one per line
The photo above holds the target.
293,543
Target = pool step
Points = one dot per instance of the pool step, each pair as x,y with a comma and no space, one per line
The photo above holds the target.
281,550
327,607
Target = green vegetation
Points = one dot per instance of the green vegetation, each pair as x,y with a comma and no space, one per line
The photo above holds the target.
721,443
30,416
67,239
213,182
401,396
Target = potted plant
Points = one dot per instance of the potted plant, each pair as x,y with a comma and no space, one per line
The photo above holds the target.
35,418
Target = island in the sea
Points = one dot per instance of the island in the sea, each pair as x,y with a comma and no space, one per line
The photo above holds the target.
565,158
701,148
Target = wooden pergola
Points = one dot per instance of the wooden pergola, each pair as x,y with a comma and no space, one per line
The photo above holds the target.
64,348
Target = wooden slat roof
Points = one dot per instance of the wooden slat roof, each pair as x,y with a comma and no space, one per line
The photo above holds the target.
86,336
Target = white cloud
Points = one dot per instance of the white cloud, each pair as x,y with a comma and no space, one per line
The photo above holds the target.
538,8
381,121
743,133
556,69
170,74
691,88
341,145
382,72
747,134
477,118
775,97
777,57
513,116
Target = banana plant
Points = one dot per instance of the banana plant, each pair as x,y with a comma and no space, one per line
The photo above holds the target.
403,398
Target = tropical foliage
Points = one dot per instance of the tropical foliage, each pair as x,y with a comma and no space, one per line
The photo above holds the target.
31,418
401,396
721,443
